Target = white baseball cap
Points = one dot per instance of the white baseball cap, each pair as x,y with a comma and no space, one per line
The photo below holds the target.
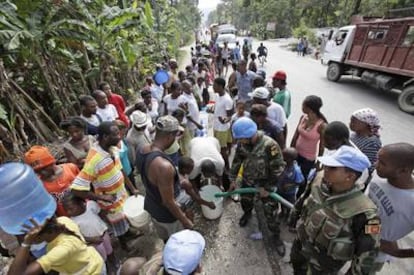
261,93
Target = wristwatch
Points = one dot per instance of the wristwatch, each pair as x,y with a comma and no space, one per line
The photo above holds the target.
25,245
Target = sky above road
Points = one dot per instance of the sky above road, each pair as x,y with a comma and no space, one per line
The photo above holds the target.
208,4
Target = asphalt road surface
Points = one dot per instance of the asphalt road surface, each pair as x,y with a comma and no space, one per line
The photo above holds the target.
229,251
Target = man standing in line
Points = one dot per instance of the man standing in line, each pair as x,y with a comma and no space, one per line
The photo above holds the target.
116,100
88,114
243,81
161,181
103,170
223,110
282,96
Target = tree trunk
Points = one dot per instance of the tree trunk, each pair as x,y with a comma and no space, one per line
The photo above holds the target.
357,6
88,66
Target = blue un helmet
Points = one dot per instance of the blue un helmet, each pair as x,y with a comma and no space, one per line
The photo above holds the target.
244,128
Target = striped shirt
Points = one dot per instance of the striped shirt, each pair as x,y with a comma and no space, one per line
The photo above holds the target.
369,146
103,170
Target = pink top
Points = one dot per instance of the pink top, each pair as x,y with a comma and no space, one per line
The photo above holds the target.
307,143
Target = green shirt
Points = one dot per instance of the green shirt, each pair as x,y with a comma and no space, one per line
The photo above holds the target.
282,97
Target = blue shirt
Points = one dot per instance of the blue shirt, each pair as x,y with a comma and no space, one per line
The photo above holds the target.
244,84
290,180
123,156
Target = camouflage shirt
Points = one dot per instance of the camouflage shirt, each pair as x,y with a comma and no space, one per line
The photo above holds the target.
334,229
262,162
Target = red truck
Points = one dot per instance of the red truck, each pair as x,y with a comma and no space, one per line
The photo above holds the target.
380,52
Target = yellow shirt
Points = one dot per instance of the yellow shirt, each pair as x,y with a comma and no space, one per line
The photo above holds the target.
67,254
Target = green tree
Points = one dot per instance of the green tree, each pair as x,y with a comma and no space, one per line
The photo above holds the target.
51,51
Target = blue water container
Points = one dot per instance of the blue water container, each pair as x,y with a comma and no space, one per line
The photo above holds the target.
22,197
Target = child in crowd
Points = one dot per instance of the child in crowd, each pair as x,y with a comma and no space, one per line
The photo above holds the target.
186,136
240,112
290,179
55,178
188,195
87,216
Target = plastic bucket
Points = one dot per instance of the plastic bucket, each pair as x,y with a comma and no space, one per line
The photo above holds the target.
135,213
23,197
207,193
161,77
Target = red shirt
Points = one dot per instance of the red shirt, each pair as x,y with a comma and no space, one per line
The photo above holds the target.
119,104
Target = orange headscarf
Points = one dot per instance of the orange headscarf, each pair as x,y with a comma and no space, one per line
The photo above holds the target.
39,157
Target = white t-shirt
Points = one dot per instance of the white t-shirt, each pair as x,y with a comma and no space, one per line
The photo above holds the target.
203,74
225,54
395,209
173,104
277,114
192,110
223,104
154,109
93,120
156,92
203,148
90,224
108,113
199,90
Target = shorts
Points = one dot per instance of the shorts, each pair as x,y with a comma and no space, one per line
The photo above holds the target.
105,247
224,137
119,228
165,230
184,200
224,61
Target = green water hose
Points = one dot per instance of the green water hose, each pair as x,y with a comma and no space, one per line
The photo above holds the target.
252,190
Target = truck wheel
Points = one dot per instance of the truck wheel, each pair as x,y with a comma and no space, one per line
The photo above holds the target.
406,100
334,72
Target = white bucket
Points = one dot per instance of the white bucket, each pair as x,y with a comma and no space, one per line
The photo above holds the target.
207,193
134,211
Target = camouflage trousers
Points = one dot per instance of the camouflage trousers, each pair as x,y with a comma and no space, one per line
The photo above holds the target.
270,208
305,264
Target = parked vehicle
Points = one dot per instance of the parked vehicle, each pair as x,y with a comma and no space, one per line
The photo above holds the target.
380,52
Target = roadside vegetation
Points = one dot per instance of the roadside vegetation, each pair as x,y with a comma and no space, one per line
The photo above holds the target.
52,51
253,15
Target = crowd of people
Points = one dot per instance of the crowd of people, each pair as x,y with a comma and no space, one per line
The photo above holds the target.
351,195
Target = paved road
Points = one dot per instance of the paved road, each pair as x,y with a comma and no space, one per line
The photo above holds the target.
229,250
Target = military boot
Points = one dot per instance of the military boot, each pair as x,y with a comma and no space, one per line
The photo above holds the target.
245,218
279,245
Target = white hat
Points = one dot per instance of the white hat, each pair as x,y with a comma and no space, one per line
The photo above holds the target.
347,156
183,251
261,93
139,119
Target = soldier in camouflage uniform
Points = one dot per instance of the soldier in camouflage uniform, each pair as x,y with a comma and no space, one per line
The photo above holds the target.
337,223
262,165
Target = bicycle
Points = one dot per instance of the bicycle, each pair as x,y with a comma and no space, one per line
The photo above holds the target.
262,60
